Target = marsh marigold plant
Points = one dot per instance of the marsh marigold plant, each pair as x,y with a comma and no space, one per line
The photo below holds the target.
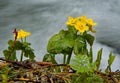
74,40
19,45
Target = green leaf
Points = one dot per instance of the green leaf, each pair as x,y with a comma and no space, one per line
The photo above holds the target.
13,56
90,39
28,52
49,58
98,60
110,61
80,46
72,29
18,45
10,42
53,43
26,44
61,43
6,53
82,65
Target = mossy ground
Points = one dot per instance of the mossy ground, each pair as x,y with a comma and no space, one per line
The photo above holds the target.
46,72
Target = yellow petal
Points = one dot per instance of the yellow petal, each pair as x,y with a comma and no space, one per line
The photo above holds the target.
90,22
71,21
22,34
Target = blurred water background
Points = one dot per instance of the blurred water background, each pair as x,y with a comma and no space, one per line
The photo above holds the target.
43,18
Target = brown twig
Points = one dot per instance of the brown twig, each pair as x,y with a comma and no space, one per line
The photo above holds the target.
27,65
25,79
108,77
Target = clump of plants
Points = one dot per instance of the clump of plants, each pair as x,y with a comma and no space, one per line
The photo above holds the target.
73,40
76,41
19,44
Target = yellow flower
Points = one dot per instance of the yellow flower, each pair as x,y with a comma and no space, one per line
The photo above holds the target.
90,22
81,23
81,27
71,21
22,34
83,19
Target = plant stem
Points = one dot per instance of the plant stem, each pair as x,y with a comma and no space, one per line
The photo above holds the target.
64,59
25,39
68,58
21,57
91,54
21,52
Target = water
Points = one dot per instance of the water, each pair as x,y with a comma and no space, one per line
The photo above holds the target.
44,18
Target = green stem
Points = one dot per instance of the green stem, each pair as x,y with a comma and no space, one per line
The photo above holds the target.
25,39
21,39
64,59
22,51
21,57
91,54
68,58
